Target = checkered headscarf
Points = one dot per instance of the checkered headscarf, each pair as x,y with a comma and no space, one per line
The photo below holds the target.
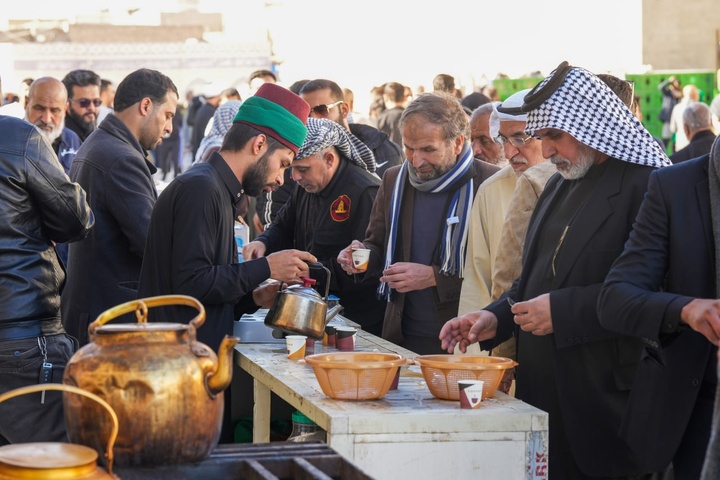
323,133
586,108
222,121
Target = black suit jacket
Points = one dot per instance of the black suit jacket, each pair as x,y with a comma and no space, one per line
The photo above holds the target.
669,260
591,367
698,146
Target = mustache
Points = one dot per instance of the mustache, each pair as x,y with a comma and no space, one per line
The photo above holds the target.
559,160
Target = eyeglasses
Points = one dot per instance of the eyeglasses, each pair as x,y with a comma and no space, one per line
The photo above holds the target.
325,109
516,141
85,102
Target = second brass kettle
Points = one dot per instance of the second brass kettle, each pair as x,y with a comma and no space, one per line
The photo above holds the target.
300,310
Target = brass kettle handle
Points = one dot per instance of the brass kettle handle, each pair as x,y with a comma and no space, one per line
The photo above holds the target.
140,307
69,388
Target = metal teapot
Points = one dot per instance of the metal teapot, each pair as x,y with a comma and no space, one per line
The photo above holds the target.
57,461
164,385
299,309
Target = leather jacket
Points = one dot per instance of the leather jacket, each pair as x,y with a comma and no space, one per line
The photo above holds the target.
39,205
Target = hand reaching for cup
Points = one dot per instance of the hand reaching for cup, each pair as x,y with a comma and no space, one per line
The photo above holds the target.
345,258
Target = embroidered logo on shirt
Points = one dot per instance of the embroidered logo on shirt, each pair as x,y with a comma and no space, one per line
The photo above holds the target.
68,151
340,208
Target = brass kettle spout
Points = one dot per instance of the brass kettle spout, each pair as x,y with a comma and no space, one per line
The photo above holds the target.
220,379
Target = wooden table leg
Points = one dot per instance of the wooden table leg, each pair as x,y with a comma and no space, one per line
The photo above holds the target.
261,412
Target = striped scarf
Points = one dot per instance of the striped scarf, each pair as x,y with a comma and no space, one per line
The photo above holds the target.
455,230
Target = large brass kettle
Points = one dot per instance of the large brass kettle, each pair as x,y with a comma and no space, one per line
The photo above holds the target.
164,385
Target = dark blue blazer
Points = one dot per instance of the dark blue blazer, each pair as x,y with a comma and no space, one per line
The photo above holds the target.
668,260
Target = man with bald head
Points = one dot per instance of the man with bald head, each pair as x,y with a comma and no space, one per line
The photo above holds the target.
698,126
45,108
690,95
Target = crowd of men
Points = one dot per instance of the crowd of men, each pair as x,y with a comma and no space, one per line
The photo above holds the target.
550,227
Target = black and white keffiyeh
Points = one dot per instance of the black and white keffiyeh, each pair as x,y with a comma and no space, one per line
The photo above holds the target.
222,121
323,133
455,230
586,108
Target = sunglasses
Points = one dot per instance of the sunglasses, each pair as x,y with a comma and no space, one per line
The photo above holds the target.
85,102
325,109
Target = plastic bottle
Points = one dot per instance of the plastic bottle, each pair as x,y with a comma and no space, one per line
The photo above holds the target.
305,430
241,238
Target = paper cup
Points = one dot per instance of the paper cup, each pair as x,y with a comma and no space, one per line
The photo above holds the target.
470,393
360,258
329,336
345,338
396,380
295,346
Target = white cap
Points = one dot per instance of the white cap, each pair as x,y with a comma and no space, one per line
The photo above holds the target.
514,100
212,89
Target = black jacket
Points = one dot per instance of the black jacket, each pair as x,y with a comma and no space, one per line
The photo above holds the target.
387,153
103,269
699,145
38,206
325,223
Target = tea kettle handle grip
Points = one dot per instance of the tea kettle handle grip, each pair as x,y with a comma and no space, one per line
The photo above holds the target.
319,265
72,389
140,307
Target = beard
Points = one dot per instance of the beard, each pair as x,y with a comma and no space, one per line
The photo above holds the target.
577,170
55,130
432,171
499,160
88,126
436,171
255,179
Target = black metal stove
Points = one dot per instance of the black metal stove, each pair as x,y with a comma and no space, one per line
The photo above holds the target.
244,461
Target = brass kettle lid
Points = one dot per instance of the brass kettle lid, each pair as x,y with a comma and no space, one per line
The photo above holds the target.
302,290
47,455
140,327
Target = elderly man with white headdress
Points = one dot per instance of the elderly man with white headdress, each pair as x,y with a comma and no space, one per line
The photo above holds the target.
329,207
491,206
569,365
